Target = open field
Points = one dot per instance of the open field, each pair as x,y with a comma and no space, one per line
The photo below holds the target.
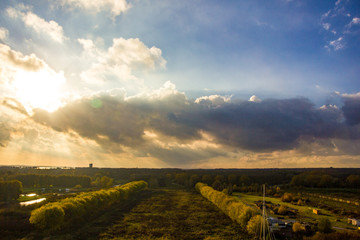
154,214
174,214
305,213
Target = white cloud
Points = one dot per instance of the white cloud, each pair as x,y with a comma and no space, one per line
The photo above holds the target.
116,7
254,98
3,33
40,25
337,44
355,20
213,100
326,26
120,60
14,59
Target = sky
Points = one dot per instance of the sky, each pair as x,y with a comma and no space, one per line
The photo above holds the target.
184,84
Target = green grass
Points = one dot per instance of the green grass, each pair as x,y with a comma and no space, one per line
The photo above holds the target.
305,213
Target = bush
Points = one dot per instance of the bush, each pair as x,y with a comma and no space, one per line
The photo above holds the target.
236,210
69,210
287,197
282,210
254,225
50,216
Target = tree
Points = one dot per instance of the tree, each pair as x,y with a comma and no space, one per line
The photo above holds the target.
282,210
10,190
353,181
51,216
324,225
298,230
106,182
254,225
217,185
287,197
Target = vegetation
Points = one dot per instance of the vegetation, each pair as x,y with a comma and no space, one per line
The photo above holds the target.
55,215
44,180
10,190
174,214
236,210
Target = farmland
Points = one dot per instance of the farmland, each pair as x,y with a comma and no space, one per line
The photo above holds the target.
175,203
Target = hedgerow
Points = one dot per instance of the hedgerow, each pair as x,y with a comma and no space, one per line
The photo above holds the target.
235,209
58,214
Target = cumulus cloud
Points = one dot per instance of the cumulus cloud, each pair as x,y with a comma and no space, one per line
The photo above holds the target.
254,98
48,28
116,7
14,59
120,60
3,33
166,125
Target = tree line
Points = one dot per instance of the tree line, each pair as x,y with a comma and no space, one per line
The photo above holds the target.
236,210
10,190
45,180
56,215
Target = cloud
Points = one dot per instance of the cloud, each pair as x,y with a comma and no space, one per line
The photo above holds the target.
164,124
351,109
337,44
51,29
120,60
14,59
4,135
4,33
254,98
29,80
326,26
116,7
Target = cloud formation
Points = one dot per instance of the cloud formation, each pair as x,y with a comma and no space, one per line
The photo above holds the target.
3,33
169,126
48,28
120,60
14,59
116,7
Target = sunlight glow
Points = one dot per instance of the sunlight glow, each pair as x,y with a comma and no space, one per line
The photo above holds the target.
42,89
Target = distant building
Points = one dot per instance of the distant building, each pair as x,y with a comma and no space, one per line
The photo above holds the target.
90,165
353,221
316,211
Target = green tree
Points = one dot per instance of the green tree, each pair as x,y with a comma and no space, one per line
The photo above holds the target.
324,225
106,182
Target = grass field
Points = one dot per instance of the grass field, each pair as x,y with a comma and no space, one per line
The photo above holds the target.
154,214
305,212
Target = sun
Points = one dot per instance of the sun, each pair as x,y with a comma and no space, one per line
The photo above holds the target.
42,89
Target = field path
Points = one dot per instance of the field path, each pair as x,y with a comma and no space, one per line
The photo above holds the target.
174,214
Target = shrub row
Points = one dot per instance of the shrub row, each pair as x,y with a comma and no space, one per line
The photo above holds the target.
235,209
58,214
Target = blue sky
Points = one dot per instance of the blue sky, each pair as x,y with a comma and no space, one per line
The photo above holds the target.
57,54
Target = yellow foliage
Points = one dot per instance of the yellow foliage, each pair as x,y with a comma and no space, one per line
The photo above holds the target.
54,215
236,210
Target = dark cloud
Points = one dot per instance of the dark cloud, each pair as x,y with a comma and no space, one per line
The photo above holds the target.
351,110
258,126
